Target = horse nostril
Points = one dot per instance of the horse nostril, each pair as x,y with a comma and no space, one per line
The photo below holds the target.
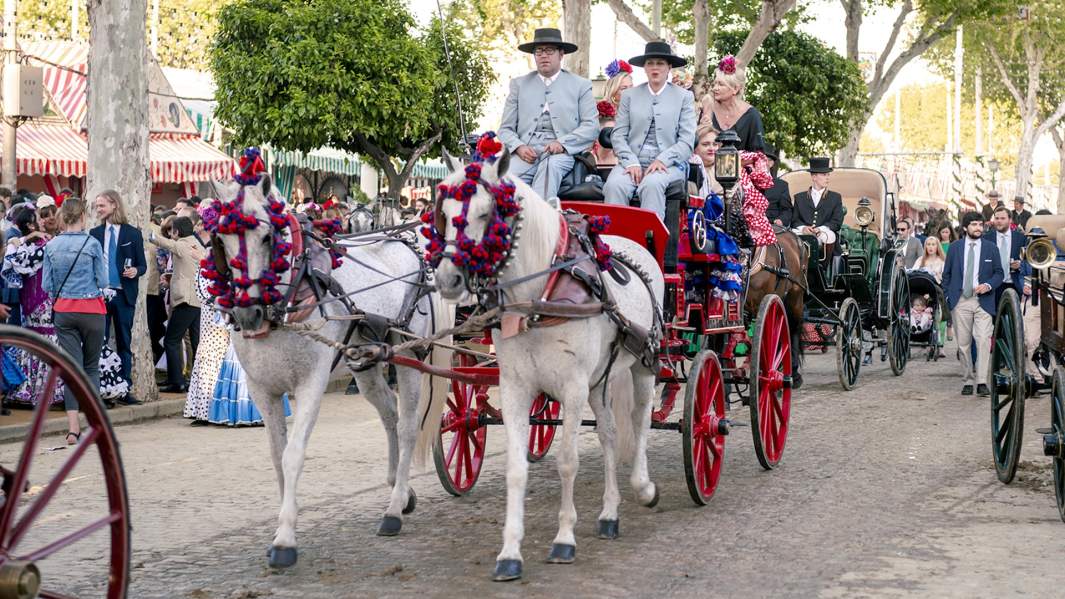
456,281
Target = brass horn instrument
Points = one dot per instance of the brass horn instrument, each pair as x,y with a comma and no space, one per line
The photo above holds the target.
1040,252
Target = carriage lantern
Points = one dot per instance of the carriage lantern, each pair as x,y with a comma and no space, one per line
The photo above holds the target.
864,214
727,164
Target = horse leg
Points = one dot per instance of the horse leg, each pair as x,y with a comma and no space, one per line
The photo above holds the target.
283,552
374,388
607,429
517,401
564,547
273,411
643,390
403,499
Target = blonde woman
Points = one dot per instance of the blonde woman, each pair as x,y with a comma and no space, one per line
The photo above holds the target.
725,108
620,73
932,260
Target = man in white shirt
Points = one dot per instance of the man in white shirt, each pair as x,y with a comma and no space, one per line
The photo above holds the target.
818,211
972,272
1010,243
549,116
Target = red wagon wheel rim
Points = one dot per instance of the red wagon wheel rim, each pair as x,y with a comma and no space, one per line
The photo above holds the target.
774,396
462,439
706,444
19,513
542,435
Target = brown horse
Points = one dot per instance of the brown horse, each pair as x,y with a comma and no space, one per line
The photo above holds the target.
780,269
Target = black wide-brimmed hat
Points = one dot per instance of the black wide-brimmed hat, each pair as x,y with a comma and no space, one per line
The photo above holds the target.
547,36
820,164
771,152
658,50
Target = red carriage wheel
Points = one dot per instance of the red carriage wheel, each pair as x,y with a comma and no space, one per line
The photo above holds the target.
542,435
36,552
704,427
770,368
459,449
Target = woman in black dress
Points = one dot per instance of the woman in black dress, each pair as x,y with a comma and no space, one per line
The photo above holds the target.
725,108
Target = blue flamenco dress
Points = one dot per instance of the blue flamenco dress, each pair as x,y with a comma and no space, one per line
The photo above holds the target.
231,404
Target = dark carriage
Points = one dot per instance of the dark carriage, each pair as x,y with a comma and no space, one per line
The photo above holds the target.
1010,384
861,293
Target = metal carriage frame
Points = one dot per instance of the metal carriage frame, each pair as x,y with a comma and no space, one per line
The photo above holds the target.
705,352
859,302
1010,384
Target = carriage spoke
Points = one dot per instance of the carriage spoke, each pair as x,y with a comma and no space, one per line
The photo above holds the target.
1003,428
46,594
52,488
1006,400
22,471
72,538
455,441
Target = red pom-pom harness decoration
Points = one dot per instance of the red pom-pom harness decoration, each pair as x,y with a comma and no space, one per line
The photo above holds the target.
482,258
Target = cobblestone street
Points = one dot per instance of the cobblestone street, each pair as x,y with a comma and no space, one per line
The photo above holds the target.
887,490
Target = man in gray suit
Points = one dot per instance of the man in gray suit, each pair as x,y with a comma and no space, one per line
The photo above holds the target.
549,116
912,247
654,135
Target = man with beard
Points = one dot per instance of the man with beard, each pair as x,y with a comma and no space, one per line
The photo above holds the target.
972,273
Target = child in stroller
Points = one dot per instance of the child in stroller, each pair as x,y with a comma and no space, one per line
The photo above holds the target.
921,315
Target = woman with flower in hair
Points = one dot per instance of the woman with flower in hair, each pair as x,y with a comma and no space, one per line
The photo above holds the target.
620,73
725,108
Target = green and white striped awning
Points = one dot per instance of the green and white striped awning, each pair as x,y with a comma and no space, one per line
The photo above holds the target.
323,159
430,169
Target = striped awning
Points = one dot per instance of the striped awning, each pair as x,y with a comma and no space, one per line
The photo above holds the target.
430,169
328,160
56,149
65,65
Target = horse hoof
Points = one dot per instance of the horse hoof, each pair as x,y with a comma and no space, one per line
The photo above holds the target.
389,527
562,554
412,502
281,557
654,500
507,569
796,381
608,529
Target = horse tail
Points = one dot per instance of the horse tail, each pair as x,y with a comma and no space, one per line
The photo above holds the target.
622,396
434,388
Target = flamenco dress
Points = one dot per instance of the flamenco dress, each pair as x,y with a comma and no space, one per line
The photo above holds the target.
231,404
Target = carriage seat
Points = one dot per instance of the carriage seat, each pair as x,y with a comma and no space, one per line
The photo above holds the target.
863,250
582,183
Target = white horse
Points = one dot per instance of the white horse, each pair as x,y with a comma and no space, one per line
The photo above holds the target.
279,361
567,362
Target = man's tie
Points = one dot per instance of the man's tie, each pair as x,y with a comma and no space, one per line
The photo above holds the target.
970,264
1004,252
113,277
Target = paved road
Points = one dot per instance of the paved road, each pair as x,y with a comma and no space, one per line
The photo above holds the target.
884,491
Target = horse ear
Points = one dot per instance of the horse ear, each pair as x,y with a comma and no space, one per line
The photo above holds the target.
265,184
449,160
503,164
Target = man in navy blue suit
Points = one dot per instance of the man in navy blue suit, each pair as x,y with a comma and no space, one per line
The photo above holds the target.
1009,242
972,273
125,262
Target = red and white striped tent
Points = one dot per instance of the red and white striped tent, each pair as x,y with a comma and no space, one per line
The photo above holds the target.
57,146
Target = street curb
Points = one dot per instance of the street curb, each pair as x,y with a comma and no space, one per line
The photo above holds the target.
163,408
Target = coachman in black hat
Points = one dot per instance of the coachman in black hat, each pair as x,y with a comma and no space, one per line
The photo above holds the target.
780,209
818,211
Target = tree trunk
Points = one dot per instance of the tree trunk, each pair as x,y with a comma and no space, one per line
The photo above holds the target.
577,19
626,15
701,16
118,137
1024,154
768,18
848,154
1059,140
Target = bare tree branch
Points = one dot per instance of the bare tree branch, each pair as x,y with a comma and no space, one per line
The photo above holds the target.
853,22
878,88
416,155
1006,80
896,28
772,13
626,15
1050,122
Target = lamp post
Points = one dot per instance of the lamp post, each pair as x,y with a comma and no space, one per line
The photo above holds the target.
599,86
993,166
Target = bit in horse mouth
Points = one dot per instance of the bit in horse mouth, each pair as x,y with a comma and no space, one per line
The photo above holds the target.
259,333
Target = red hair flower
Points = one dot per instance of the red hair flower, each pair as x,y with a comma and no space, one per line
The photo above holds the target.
606,109
488,146
727,64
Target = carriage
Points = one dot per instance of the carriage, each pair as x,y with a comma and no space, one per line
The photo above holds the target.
862,293
1009,383
41,517
712,351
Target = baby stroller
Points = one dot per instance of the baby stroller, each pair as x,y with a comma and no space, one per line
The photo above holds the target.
925,331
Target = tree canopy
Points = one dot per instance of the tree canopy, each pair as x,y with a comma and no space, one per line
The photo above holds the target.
356,75
807,93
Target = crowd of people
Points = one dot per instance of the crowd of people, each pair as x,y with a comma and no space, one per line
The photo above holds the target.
78,287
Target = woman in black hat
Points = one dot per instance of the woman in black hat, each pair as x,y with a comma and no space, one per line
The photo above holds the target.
726,109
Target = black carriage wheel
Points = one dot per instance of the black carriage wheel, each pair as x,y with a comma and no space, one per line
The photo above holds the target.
899,323
24,556
1006,382
849,344
770,375
1057,430
937,341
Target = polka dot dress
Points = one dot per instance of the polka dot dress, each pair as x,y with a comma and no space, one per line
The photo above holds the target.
214,342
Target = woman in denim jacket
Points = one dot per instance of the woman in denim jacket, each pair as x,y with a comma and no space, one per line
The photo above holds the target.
74,274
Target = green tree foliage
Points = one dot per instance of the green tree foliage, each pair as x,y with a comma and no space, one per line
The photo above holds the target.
807,93
352,74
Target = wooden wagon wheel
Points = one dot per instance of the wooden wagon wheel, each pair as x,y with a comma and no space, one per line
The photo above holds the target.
770,371
899,322
27,542
1054,440
542,435
703,427
849,344
1007,385
461,433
